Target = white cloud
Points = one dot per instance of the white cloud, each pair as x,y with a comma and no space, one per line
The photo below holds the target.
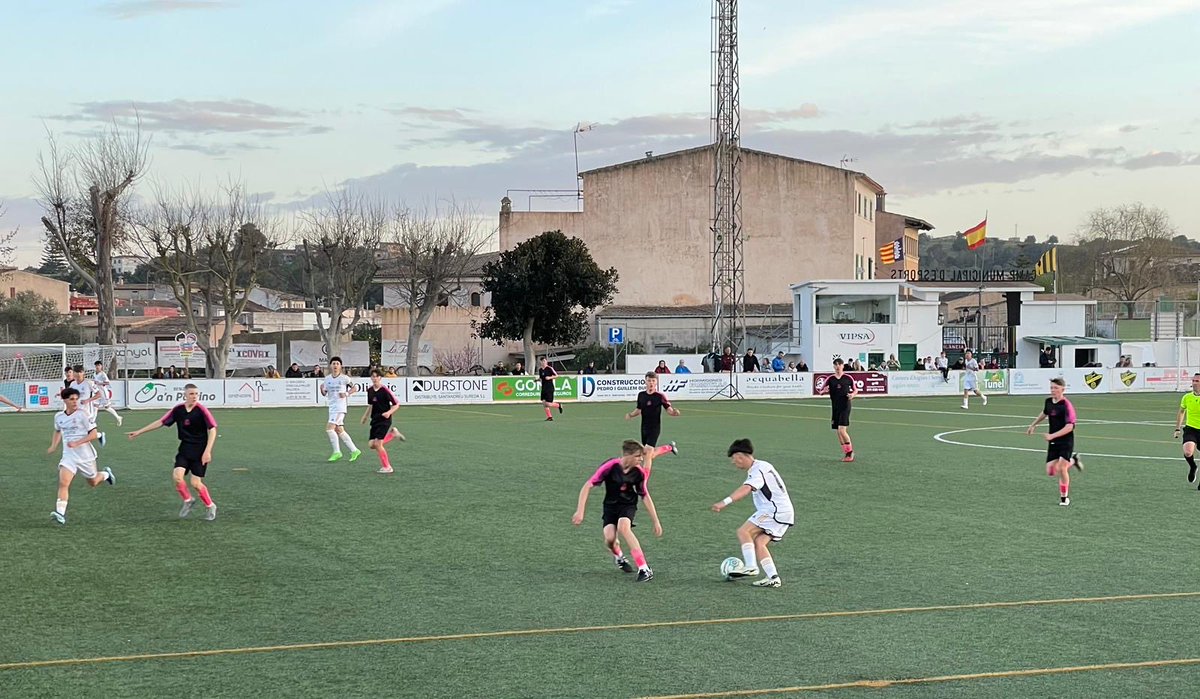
382,20
972,30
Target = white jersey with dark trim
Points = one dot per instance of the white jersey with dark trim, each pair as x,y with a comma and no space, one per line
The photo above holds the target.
769,493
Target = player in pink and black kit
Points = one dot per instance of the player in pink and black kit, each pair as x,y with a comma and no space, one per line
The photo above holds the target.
1060,454
381,405
624,481
650,405
841,389
197,430
547,374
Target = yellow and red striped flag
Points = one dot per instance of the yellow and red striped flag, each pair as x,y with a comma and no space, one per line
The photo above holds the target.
892,252
976,236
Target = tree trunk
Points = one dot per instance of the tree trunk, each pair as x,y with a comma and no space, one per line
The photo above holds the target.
416,328
528,340
106,320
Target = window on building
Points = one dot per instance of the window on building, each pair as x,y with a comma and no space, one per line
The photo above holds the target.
855,308
476,299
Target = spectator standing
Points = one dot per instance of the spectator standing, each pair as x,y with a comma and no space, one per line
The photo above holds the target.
727,360
777,364
662,367
682,368
293,372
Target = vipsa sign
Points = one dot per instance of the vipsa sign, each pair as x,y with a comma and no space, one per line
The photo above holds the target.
457,389
513,388
862,336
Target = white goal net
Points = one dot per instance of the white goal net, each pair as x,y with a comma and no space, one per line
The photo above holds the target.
24,363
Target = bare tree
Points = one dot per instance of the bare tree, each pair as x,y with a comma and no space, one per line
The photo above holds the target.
7,249
433,251
210,250
1128,251
341,238
96,174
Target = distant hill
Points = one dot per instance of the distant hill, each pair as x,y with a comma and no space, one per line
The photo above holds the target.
949,252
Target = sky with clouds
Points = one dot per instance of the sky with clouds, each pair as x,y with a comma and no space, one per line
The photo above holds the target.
1035,111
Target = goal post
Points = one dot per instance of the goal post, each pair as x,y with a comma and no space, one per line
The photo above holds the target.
21,365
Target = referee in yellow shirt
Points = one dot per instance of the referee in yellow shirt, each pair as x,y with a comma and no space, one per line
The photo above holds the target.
1189,409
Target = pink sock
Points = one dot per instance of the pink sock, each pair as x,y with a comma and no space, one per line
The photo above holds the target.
616,549
1062,489
547,411
659,451
846,448
383,459
183,491
389,437
638,559
204,498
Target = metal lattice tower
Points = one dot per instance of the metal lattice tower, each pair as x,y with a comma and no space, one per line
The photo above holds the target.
728,290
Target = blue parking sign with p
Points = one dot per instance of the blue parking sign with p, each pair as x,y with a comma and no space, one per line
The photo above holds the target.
616,336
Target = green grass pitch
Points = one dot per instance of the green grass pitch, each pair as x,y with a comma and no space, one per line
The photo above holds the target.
473,535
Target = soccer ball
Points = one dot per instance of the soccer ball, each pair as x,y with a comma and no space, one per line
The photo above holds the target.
729,566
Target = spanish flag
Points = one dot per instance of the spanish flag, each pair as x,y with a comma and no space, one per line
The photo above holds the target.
1047,263
976,236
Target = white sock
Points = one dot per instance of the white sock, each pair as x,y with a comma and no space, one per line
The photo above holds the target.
333,439
60,506
112,412
347,441
748,556
768,565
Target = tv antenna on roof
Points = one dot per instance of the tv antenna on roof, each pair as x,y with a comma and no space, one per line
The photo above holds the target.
846,159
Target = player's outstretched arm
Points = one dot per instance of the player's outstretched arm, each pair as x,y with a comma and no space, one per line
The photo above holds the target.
10,404
635,413
1038,421
742,491
148,428
54,442
649,502
582,504
1179,421
366,414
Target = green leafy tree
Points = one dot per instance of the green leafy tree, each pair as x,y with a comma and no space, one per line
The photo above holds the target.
28,317
542,291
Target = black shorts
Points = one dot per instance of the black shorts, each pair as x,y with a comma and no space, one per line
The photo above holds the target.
841,416
1191,434
380,428
650,435
612,513
548,394
190,459
1061,448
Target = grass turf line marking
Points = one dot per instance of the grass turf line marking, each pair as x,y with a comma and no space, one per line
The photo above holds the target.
941,437
518,633
882,684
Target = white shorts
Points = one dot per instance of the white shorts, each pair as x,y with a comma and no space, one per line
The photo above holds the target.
82,463
337,415
969,383
766,521
105,400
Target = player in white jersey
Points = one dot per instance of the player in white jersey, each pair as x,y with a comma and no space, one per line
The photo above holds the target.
970,380
76,430
100,379
337,389
772,517
87,396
